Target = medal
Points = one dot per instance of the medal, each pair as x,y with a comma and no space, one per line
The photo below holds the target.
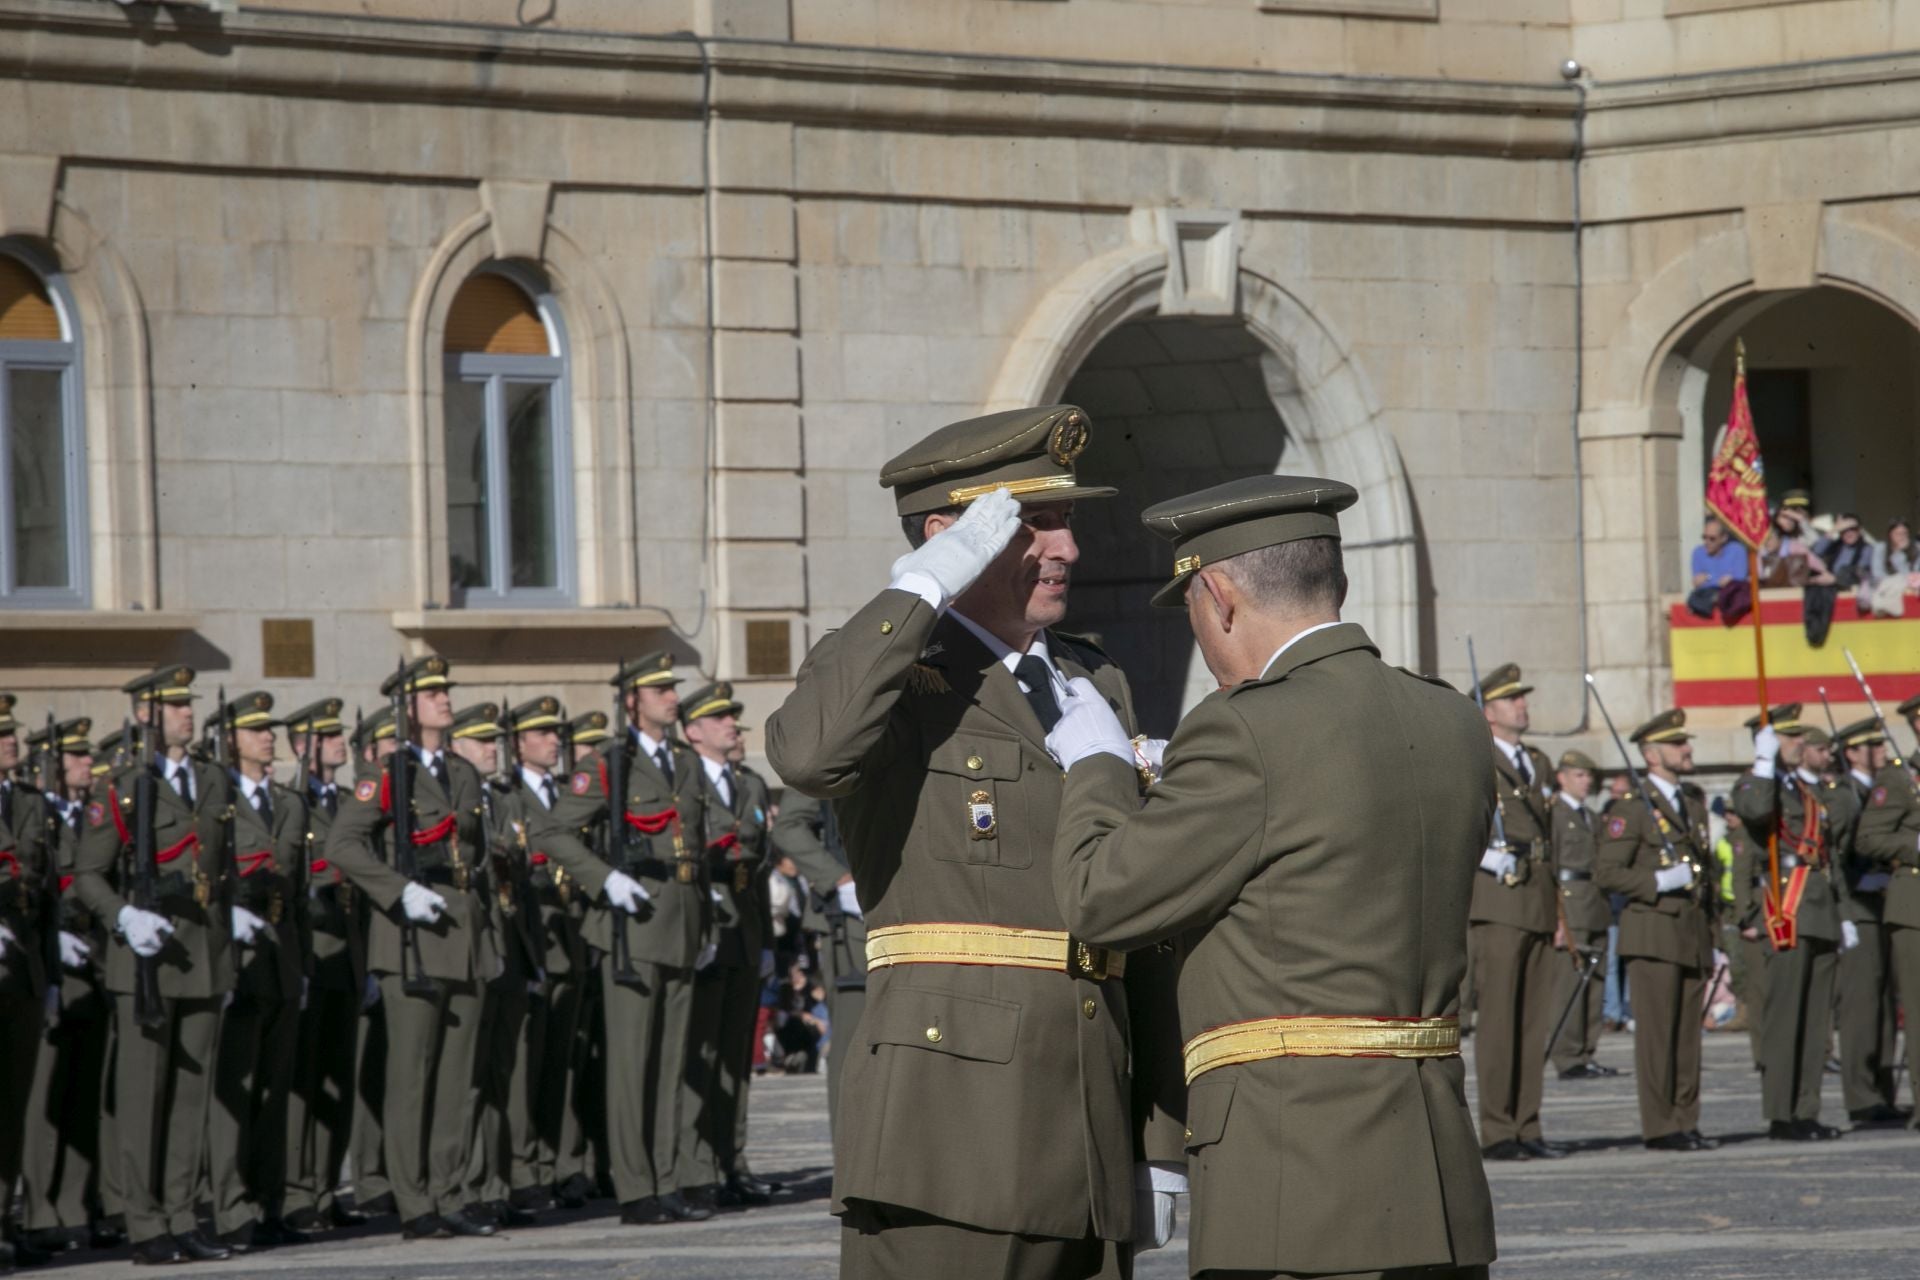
982,824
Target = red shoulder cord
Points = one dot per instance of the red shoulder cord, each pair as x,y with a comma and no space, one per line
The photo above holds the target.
432,835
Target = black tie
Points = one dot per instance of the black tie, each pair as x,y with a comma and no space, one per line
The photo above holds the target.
1520,764
330,799
183,784
439,771
263,805
664,759
1034,675
546,789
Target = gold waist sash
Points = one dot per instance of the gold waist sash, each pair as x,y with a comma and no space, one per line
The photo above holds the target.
1309,1036
1053,949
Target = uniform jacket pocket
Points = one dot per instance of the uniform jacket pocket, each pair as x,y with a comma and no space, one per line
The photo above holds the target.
972,801
1207,1104
942,1022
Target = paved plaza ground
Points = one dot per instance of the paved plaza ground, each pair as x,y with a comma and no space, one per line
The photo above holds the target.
1754,1210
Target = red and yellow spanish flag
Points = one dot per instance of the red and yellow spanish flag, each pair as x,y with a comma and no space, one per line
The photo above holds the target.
1736,482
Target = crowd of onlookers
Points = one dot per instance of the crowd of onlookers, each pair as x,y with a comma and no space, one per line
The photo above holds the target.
795,1029
1825,556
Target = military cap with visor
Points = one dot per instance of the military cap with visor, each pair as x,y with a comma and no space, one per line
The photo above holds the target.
1785,720
375,727
322,717
1504,682
714,699
1243,515
480,722
420,675
1028,452
108,751
248,711
1796,498
543,712
1579,760
168,684
1911,707
1861,733
590,726
1669,726
653,670
7,723
71,734
1814,736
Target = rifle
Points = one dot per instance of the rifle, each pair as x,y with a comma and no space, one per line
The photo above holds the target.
303,783
850,970
51,786
623,970
230,872
1886,730
1832,728
1512,878
148,1012
1667,855
413,976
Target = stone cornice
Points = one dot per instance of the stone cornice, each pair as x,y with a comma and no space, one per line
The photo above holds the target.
365,59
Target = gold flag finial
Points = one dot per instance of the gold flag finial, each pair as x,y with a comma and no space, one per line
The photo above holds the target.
1739,357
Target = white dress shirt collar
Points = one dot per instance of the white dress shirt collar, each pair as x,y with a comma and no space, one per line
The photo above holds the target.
1670,791
1865,781
1009,657
1298,637
717,774
250,787
536,783
648,744
1571,803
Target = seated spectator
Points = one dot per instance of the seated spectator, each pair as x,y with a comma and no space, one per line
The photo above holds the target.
1790,547
1848,555
1718,563
1896,571
800,1023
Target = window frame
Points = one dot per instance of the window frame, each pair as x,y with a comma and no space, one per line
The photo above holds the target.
62,357
494,372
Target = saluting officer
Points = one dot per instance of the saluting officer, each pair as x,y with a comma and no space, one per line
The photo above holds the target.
188,939
1666,933
1785,793
992,1041
321,1105
1865,1013
26,877
258,1033
1515,974
1750,873
1319,901
1889,836
807,832
649,912
726,1002
1586,914
433,1025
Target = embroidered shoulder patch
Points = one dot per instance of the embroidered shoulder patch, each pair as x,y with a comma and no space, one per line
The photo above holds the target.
580,784
96,814
366,791
1879,795
1616,827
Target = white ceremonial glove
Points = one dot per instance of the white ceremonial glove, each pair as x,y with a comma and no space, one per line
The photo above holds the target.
708,954
948,562
1154,1187
1849,935
75,950
1766,745
624,892
849,901
246,926
1087,727
1674,879
766,964
1150,754
1499,861
370,992
7,940
422,905
144,931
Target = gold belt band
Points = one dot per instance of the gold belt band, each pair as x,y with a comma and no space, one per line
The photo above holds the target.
1321,1037
1053,949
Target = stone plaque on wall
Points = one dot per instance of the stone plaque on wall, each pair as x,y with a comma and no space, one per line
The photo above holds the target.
769,647
286,648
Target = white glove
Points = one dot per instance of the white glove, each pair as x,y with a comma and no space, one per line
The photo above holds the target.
1849,935
708,954
1150,754
6,940
1674,879
849,901
951,559
75,950
144,931
422,905
1499,861
1154,1187
1087,727
246,926
624,892
766,964
1766,745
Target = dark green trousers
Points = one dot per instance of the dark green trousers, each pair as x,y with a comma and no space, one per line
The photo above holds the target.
1667,1007
553,1026
247,1124
886,1242
428,1112
1866,1021
1514,984
503,1017
646,1055
713,1103
370,1180
1799,1020
163,1084
70,1121
20,1020
1580,1037
320,1106
1906,981
1759,956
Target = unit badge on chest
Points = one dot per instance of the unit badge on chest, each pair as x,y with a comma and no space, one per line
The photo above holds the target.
364,792
981,821
580,784
1617,828
96,814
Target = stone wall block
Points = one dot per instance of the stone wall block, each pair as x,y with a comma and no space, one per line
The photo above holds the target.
760,505
756,435
755,295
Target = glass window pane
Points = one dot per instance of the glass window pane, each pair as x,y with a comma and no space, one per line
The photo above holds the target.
469,558
533,547
37,451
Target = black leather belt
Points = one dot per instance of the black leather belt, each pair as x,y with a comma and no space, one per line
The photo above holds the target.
437,875
1568,876
684,870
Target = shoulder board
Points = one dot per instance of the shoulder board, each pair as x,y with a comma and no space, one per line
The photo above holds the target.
925,678
1693,789
1435,681
1081,647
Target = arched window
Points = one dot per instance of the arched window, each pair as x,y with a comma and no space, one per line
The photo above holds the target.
509,484
43,522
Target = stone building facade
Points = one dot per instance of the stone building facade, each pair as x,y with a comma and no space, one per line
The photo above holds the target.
733,254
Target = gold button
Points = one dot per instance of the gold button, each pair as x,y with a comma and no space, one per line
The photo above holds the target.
886,628
933,1035
1089,1008
1189,1135
975,763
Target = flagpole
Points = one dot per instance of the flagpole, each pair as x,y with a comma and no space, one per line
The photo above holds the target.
1759,650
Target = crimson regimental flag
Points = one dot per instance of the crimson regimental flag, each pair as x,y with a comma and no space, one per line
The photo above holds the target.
1736,482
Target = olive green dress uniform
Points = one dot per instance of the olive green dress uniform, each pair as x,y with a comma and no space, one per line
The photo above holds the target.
321,1103
1665,938
1584,908
431,1040
161,1150
647,1019
371,1186
1799,979
1865,1015
65,1183
580,1162
994,1132
1888,834
726,1002
1749,912
27,878
553,1024
806,832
